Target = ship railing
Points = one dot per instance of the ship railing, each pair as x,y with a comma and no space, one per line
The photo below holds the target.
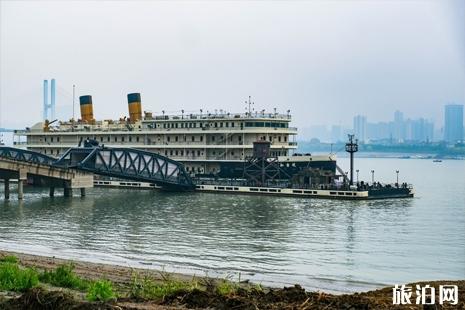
220,115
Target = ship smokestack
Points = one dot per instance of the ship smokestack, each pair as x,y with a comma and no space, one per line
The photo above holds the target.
87,112
135,107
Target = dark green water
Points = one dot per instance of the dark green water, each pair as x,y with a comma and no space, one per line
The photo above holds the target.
321,244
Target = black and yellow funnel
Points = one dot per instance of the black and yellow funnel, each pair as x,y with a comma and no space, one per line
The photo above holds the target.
135,107
87,112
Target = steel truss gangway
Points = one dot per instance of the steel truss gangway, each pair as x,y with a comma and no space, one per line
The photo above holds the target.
26,156
122,163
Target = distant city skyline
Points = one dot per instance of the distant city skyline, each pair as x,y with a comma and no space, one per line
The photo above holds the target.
398,129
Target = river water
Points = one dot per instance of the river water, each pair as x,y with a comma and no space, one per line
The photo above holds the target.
335,246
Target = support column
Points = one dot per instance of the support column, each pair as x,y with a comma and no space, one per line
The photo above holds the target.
7,189
52,191
83,192
20,189
68,192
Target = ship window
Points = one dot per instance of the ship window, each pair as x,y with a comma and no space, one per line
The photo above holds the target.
216,124
201,138
270,138
232,124
214,153
193,138
168,138
116,139
137,139
240,138
101,139
195,125
227,124
58,139
248,124
221,124
51,139
285,139
171,152
176,152
166,153
279,138
45,139
176,138
232,153
182,125
122,139
213,138
267,124
130,139
108,138
198,153
177,125
182,153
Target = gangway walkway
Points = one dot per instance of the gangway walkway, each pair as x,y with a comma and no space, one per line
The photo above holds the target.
78,165
127,163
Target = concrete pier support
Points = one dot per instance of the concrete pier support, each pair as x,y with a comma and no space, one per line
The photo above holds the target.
20,189
7,189
52,191
68,192
83,192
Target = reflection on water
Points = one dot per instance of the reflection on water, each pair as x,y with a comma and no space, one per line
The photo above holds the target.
322,244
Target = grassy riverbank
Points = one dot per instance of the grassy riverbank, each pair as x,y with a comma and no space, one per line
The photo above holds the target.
38,282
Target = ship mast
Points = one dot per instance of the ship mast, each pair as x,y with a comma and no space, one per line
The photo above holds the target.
250,103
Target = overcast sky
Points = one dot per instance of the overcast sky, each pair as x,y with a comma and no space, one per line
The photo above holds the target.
323,60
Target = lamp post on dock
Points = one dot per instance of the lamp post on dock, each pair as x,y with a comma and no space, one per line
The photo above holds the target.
357,174
372,176
351,148
397,172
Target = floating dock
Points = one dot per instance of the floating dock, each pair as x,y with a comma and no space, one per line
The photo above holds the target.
385,192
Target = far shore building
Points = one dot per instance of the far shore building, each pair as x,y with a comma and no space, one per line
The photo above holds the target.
453,123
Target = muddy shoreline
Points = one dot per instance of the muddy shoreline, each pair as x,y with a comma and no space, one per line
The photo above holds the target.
246,296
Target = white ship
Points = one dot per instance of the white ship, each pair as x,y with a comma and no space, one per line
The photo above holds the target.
208,144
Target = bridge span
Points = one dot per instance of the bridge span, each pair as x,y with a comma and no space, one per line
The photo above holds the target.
77,166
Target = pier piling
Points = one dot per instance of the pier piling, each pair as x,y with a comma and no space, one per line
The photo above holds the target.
52,191
68,192
83,192
20,189
7,189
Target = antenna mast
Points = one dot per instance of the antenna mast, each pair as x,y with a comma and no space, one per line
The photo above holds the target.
250,104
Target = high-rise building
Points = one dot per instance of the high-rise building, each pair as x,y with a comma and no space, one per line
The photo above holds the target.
420,130
360,125
453,123
399,126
